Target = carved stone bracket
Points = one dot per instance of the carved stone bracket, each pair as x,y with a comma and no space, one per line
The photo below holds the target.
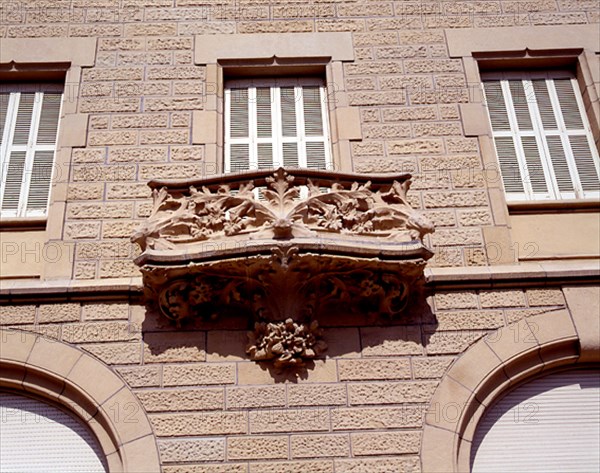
285,247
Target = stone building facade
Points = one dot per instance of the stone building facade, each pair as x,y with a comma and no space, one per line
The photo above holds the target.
510,288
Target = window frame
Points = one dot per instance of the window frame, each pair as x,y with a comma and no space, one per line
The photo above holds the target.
7,147
277,138
540,133
228,56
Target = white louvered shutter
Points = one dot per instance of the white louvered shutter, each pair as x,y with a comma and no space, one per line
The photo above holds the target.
29,123
542,137
548,425
271,123
36,437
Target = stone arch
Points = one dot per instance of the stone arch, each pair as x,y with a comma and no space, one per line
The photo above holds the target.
65,375
498,362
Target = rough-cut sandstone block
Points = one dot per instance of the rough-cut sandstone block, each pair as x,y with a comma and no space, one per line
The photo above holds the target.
113,73
257,448
169,43
252,397
85,191
409,114
165,400
207,468
391,341
199,374
545,297
145,154
451,342
82,230
22,314
455,199
119,229
317,395
291,420
322,466
170,171
436,129
116,353
118,269
121,44
319,446
472,320
100,332
476,218
421,146
185,450
375,39
205,423
351,370
170,104
388,443
151,29
173,347
390,393
388,131
275,27
502,298
159,120
405,464
373,68
420,66
128,191
141,376
84,270
456,300
164,137
59,313
94,172
377,418
430,367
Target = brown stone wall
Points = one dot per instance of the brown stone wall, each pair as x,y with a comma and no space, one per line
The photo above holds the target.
360,408
144,87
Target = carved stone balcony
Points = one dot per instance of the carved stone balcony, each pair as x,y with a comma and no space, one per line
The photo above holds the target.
283,246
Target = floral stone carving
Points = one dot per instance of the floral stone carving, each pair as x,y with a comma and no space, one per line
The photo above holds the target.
181,217
289,343
284,247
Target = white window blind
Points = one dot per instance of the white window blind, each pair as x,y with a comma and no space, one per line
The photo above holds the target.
28,130
273,123
543,139
36,437
550,424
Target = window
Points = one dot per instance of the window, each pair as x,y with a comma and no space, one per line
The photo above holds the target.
38,437
549,424
542,136
28,128
273,123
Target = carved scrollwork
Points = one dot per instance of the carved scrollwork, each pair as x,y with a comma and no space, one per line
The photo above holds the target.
219,212
286,248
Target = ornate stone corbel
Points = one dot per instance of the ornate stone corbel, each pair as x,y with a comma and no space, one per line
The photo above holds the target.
284,247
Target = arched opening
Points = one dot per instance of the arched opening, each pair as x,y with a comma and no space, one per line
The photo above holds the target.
494,366
40,437
80,385
548,424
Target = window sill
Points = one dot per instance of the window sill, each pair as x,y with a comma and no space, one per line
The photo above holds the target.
18,224
552,206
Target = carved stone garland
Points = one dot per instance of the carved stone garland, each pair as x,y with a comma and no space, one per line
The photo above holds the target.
284,258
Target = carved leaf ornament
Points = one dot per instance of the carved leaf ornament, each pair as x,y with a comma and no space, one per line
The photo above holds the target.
284,246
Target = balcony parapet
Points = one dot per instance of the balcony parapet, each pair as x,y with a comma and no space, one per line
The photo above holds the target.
284,246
